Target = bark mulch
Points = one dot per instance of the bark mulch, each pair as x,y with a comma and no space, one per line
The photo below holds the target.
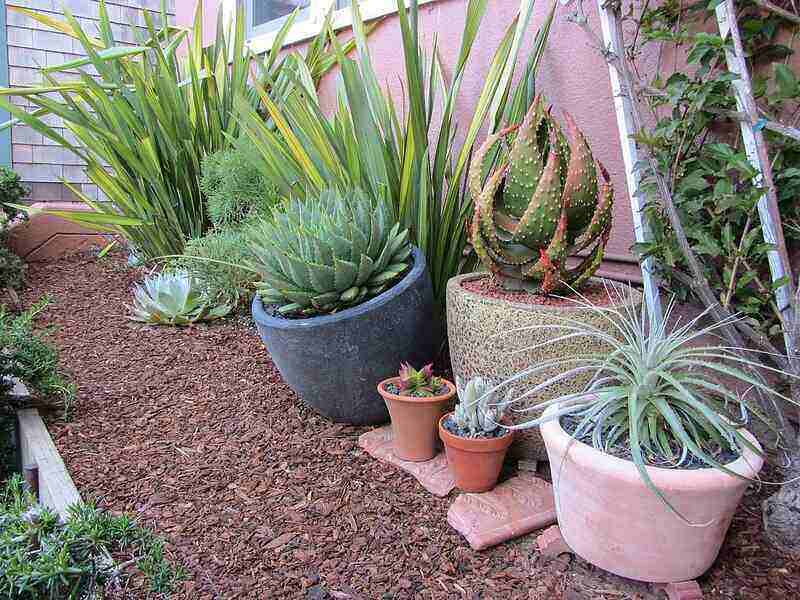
194,430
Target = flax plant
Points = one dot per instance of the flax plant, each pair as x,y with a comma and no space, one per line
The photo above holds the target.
143,117
658,393
412,156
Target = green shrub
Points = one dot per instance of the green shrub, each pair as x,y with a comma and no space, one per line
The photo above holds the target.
29,358
234,186
213,259
88,556
12,267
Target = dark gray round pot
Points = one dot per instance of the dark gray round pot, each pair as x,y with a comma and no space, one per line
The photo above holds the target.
334,362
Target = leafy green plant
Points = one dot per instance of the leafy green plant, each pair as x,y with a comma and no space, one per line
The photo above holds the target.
234,187
12,267
218,262
697,148
88,556
546,199
173,298
478,413
325,254
656,397
415,161
145,123
25,355
419,383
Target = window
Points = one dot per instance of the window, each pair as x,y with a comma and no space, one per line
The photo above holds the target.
265,17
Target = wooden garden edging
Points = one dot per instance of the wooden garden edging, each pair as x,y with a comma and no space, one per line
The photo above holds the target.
41,463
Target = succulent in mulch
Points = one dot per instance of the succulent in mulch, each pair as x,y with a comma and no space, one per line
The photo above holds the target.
173,299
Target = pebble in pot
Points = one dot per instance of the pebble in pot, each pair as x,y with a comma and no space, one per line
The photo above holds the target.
475,441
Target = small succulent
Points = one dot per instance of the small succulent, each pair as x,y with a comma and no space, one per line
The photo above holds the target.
321,255
478,413
545,200
173,298
419,383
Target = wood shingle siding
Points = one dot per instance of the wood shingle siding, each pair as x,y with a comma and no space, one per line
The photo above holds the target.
41,164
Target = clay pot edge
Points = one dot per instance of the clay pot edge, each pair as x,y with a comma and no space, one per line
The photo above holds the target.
455,283
748,464
477,445
414,399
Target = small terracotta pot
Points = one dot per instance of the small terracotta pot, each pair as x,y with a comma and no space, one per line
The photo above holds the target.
414,421
609,516
475,462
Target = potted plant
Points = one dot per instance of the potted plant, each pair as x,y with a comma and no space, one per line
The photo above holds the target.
648,466
415,400
545,199
343,298
474,440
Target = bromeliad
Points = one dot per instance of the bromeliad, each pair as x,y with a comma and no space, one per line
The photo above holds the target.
545,198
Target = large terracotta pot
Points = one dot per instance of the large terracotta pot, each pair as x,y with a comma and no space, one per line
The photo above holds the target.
474,462
414,421
609,517
485,340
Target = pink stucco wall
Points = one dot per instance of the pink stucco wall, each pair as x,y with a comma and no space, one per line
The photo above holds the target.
573,75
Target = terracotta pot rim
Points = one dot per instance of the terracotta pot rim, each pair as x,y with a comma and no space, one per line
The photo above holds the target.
478,445
455,283
748,464
414,399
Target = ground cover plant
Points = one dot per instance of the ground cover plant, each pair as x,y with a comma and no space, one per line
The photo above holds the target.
25,355
93,554
12,268
147,120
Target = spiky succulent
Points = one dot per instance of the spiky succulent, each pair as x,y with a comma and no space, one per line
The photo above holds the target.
173,298
540,204
419,383
478,412
321,255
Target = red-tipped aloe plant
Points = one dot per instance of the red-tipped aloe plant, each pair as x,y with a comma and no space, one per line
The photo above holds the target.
546,199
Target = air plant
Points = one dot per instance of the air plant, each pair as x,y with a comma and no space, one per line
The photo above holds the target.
420,383
478,413
540,204
658,395
173,298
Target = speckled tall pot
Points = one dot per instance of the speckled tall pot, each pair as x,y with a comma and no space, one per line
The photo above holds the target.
478,347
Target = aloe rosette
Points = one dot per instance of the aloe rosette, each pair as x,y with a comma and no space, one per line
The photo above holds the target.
545,198
320,255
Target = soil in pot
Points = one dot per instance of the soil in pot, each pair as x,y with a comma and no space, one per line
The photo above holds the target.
474,461
414,420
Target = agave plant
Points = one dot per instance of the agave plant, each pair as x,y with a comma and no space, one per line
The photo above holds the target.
540,204
659,395
173,299
478,413
318,256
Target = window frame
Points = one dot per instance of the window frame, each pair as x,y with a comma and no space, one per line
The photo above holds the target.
260,39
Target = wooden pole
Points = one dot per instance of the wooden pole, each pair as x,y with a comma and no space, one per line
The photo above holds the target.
756,149
612,39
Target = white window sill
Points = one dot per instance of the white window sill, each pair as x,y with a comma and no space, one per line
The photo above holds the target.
305,30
